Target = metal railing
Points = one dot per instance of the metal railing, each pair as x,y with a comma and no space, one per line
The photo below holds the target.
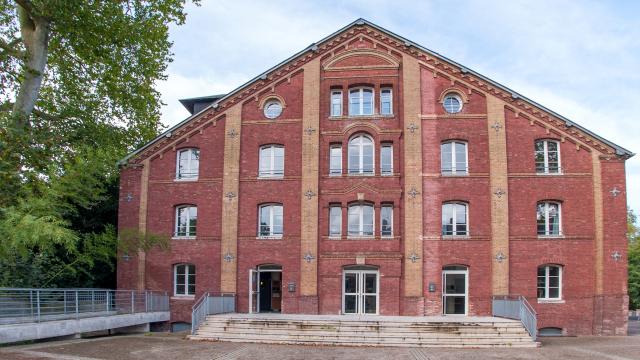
210,304
518,308
18,305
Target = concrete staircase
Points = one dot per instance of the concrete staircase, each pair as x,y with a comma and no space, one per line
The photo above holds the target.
471,332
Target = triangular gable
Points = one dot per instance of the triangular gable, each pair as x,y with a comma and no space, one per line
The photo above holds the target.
440,65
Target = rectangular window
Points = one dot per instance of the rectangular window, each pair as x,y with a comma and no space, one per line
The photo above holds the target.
548,219
386,159
453,158
336,103
454,219
270,221
186,221
271,161
386,101
187,164
386,221
335,221
360,220
550,282
361,101
184,280
335,160
547,157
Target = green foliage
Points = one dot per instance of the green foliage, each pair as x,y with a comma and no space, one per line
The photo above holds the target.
97,101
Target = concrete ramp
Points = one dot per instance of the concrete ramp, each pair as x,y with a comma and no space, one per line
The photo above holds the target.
49,329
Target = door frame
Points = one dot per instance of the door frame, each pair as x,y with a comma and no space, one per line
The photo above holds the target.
466,290
259,269
359,295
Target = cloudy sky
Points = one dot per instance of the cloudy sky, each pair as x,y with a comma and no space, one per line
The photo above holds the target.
578,58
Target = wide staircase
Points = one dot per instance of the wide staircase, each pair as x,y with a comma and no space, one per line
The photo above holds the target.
472,332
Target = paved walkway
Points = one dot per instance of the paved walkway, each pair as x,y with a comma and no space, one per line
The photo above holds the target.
161,346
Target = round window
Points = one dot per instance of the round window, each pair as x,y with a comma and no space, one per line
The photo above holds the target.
452,103
272,109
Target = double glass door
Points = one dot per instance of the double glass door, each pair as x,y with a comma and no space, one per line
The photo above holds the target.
360,292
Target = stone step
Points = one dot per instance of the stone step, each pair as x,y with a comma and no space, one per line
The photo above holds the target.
403,332
362,323
408,337
441,343
367,329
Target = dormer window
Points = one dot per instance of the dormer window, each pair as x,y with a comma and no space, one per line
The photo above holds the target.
187,164
361,101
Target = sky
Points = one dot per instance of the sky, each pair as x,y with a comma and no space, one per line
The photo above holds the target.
580,59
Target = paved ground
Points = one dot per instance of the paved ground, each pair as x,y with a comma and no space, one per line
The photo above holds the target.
161,346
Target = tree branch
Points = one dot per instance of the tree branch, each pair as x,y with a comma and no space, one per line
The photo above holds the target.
10,48
27,6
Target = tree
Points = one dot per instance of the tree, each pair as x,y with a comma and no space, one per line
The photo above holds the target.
76,94
633,256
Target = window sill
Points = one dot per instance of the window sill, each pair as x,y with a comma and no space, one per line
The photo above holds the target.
461,174
550,301
274,237
549,174
357,117
361,237
278,177
183,238
456,237
194,179
550,237
183,297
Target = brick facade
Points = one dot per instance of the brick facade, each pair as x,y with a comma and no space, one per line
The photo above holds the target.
501,191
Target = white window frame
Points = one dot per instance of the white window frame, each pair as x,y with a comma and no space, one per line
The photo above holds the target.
186,280
360,165
545,153
546,283
390,100
388,206
390,147
331,103
361,233
265,109
455,227
271,172
271,235
190,160
188,235
360,90
452,95
339,234
547,224
454,170
338,171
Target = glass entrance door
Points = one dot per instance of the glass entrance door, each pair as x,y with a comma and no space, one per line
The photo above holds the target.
360,292
454,290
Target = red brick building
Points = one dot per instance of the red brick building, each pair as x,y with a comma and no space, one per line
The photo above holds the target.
367,174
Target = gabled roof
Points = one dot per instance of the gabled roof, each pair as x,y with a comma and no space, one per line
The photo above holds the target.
620,151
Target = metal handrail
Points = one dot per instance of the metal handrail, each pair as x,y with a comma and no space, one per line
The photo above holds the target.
209,304
518,308
18,305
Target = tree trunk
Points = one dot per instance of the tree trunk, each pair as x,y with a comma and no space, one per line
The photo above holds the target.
35,35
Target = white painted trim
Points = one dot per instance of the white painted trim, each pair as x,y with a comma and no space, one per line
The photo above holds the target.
359,294
466,290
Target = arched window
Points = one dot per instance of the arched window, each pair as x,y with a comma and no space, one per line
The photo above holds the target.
453,158
361,155
271,161
361,219
361,101
455,219
550,282
270,221
186,220
184,280
187,164
547,155
549,218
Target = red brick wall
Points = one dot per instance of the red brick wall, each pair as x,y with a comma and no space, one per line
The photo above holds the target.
580,312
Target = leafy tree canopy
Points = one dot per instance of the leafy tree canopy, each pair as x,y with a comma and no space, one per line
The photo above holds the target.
633,255
77,92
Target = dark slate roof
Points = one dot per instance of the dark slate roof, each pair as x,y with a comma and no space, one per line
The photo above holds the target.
189,103
359,22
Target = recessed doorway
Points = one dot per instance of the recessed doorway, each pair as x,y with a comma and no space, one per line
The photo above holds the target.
360,290
265,289
455,288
